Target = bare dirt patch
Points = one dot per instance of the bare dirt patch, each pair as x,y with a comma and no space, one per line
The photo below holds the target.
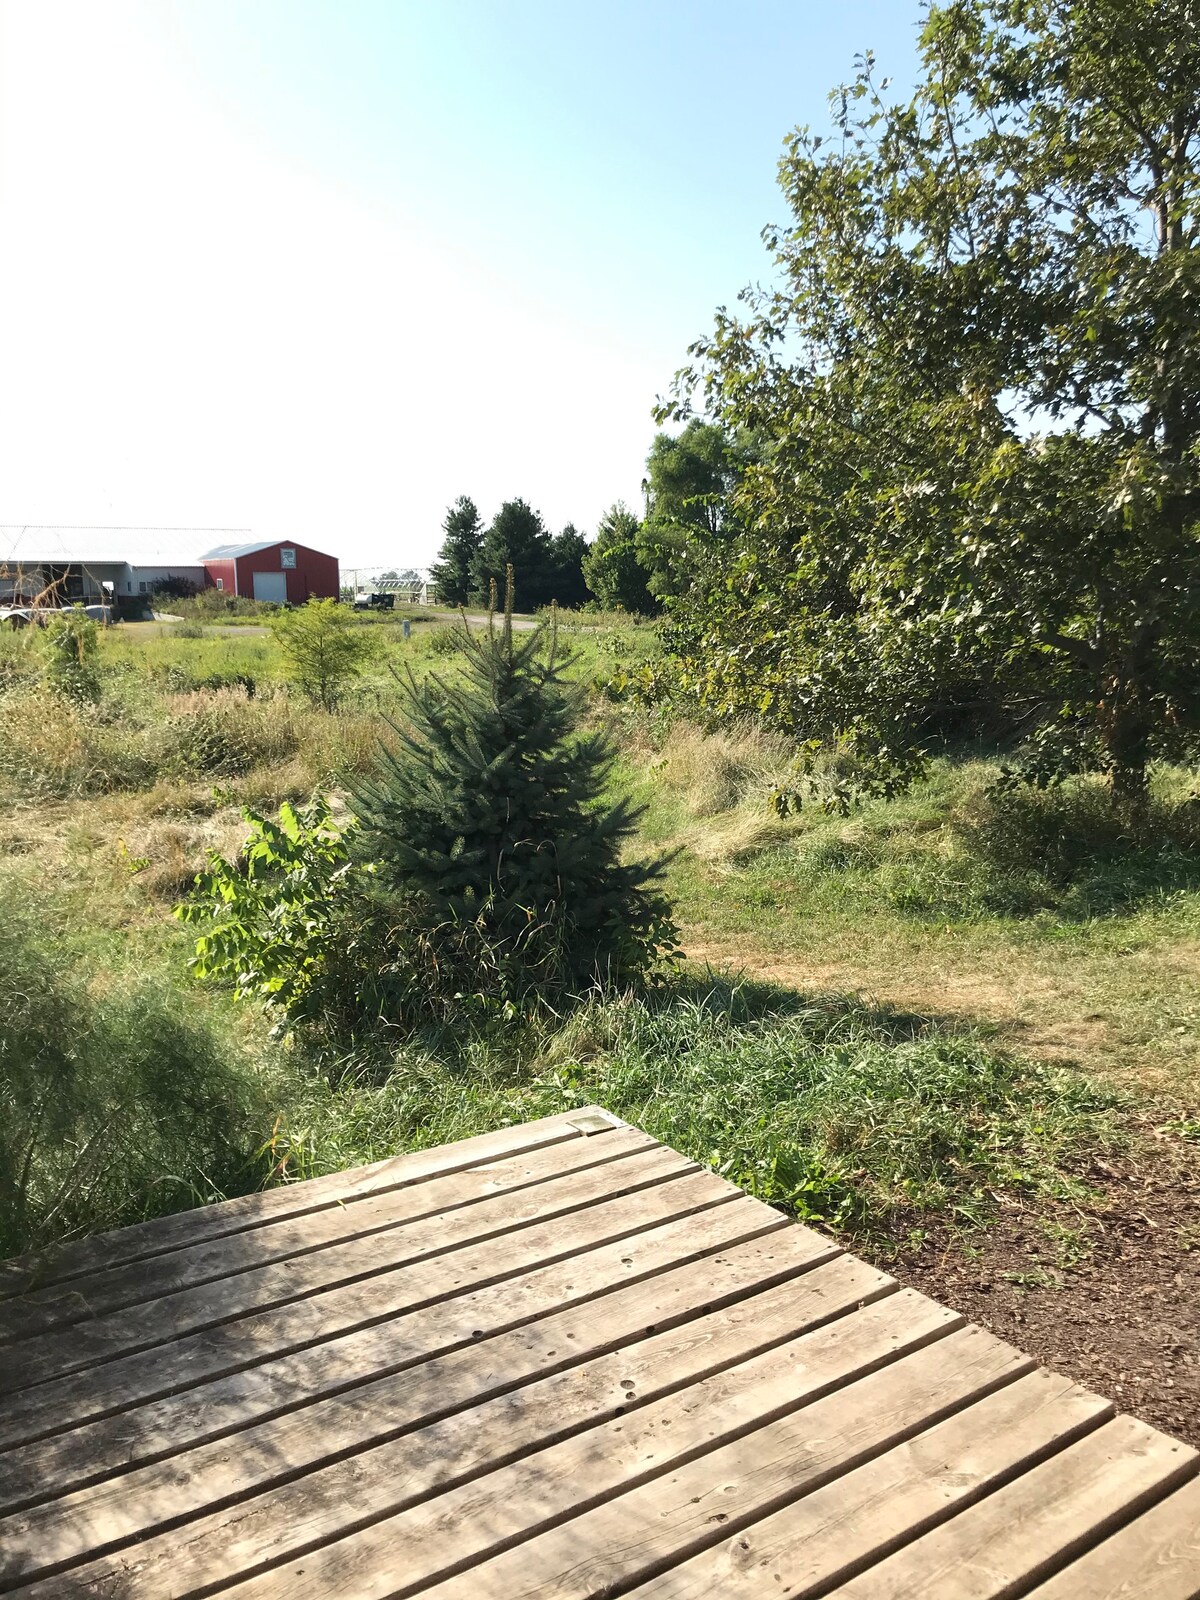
1108,1294
1118,1308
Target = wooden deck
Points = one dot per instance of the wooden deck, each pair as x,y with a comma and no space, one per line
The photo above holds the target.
559,1360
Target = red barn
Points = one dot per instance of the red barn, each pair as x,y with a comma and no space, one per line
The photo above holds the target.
288,574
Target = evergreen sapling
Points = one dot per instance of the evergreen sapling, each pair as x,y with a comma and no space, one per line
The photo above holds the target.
487,827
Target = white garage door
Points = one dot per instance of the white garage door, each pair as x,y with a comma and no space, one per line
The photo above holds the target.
271,586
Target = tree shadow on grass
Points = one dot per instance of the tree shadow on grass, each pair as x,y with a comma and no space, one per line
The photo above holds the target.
745,1000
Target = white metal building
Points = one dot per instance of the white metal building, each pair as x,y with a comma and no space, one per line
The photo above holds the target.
61,565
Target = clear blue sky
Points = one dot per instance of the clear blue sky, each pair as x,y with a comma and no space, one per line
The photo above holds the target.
321,267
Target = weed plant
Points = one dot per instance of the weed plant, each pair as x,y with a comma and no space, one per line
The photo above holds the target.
121,1101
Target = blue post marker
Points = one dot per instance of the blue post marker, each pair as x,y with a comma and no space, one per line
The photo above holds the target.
406,624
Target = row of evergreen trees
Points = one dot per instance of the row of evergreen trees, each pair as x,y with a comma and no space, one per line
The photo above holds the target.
473,558
634,564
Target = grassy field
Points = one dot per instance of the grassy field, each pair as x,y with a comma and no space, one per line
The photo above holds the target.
885,1019
1024,915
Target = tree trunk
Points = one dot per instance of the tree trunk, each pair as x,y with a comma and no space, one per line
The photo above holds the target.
1125,727
1130,795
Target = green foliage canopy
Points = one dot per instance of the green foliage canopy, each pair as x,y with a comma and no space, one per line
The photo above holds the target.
689,480
977,387
568,550
612,567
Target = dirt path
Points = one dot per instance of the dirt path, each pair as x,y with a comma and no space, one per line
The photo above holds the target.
968,998
1111,1297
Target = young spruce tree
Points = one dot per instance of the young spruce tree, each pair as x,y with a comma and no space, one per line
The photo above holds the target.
451,572
488,827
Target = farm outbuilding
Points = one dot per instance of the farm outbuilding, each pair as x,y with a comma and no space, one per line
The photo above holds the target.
275,570
55,566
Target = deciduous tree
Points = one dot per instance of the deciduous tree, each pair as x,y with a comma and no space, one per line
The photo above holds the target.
689,480
977,383
323,648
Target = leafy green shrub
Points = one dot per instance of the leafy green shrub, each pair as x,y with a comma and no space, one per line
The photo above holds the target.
214,605
1018,851
119,1103
1070,830
287,924
18,658
179,679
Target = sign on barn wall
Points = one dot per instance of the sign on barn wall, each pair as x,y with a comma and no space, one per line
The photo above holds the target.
287,558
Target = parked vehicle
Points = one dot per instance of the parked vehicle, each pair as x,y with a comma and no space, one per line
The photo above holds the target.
24,616
374,602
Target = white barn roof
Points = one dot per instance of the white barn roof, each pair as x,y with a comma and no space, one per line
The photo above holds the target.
34,544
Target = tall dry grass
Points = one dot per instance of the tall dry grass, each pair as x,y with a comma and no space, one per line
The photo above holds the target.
52,746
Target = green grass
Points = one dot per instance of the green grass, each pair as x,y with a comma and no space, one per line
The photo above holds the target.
865,1120
1029,914
931,960
123,1097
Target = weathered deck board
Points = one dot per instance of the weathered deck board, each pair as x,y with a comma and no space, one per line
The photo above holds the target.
1036,1523
557,1361
165,1318
379,1482
361,1389
59,1404
835,1532
146,1239
115,1288
1154,1557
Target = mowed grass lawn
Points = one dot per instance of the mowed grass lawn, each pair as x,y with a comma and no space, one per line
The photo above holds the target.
1025,915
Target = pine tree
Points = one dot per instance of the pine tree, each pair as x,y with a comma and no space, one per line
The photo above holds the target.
488,824
611,567
451,573
568,550
517,538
